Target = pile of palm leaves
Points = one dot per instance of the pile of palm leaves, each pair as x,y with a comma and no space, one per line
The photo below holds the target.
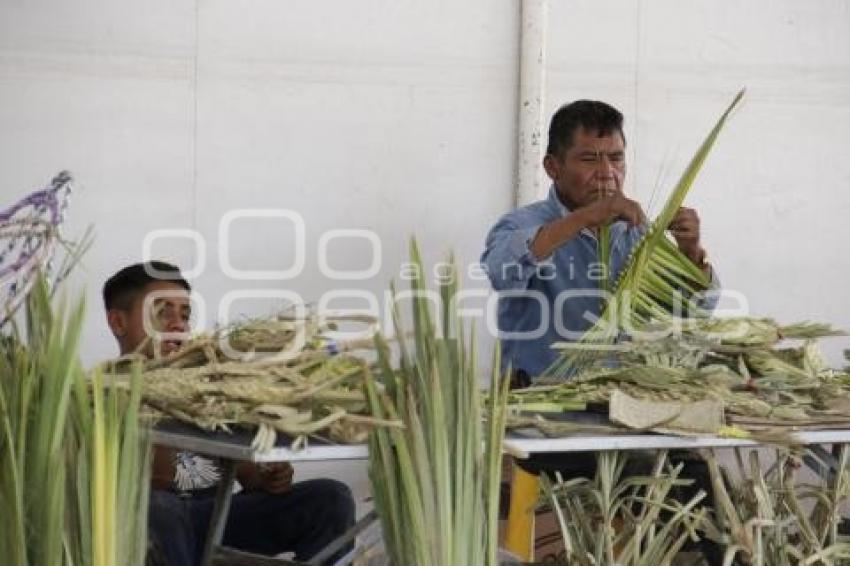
614,519
767,516
73,463
436,481
287,379
775,517
763,389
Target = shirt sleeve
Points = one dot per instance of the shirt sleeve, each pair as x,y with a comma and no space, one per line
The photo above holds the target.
507,258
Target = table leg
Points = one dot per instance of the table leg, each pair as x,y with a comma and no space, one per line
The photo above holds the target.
337,544
519,537
221,508
824,463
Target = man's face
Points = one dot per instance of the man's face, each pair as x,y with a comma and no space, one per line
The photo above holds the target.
590,169
163,308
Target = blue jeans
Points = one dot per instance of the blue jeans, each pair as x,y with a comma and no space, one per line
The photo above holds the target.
303,520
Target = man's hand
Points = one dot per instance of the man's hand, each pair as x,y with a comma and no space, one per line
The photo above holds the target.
615,207
685,229
162,473
276,477
553,235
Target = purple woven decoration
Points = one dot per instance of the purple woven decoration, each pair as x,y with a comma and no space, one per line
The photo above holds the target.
29,231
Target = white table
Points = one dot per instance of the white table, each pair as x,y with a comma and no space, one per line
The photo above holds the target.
522,446
816,457
236,447
231,448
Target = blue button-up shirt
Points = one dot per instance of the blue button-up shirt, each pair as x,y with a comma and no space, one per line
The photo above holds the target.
553,300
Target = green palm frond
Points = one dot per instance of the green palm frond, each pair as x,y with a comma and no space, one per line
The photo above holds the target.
74,463
626,520
37,367
110,455
658,280
776,517
603,246
436,490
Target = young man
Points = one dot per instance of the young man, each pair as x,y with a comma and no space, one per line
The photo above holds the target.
545,254
272,514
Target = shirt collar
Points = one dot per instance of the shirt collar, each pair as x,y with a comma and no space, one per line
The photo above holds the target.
556,202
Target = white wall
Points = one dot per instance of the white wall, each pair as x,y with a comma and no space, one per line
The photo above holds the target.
399,117
775,192
396,117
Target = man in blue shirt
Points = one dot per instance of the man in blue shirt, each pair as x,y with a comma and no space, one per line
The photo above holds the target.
543,258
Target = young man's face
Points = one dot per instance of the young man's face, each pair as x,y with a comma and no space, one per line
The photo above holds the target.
590,169
163,307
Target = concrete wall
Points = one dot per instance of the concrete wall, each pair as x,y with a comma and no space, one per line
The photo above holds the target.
399,117
774,193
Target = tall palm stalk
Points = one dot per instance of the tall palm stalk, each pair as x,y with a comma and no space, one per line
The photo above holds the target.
436,481
52,419
110,454
657,278
603,246
37,368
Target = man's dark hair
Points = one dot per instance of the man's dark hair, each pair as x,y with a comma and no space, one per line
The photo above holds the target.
121,289
592,115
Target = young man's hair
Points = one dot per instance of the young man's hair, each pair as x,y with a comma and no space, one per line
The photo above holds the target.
592,115
121,289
